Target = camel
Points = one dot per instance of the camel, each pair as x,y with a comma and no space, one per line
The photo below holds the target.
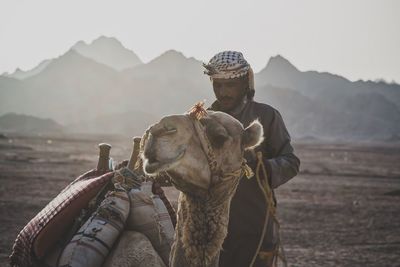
202,152
203,155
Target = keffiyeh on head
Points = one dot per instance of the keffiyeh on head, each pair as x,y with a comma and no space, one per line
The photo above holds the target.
229,65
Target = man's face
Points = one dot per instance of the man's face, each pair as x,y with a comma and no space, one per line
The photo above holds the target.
229,92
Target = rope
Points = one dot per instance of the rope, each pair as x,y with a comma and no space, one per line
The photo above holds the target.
271,210
127,178
198,112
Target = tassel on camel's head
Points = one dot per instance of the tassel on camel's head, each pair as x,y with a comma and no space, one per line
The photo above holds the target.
197,111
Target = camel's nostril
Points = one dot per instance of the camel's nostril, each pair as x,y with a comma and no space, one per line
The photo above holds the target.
150,155
152,161
151,158
148,152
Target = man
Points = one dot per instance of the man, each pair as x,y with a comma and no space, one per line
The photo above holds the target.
233,82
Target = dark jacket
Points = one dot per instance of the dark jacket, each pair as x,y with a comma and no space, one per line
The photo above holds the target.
248,206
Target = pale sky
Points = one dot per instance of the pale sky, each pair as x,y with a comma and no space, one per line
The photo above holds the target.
358,39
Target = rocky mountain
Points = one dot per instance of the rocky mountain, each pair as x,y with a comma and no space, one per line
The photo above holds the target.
20,74
88,96
19,123
70,87
281,73
307,117
171,83
108,51
336,106
131,123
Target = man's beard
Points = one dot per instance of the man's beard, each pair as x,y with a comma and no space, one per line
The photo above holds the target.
238,104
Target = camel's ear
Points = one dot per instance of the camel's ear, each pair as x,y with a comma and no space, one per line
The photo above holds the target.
253,135
216,133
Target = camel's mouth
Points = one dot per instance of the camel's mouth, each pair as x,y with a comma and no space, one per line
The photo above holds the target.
153,166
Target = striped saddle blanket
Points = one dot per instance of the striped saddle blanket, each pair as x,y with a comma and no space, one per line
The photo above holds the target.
53,221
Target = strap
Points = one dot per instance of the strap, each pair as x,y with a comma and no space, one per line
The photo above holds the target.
206,146
265,184
271,210
127,179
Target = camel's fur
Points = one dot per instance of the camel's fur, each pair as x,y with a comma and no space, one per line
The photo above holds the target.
203,212
133,249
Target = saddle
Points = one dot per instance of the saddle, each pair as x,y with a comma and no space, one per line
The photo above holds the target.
54,220
71,210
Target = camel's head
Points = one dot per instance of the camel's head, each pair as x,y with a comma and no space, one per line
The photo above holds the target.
176,145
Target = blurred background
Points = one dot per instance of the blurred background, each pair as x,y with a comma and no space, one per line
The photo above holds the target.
77,73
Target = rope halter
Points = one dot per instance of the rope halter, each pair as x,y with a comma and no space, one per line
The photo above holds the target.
196,113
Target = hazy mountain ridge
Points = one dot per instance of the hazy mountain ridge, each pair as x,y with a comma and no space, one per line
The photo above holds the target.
361,109
170,83
305,116
64,90
132,123
19,123
20,74
320,85
89,96
104,50
108,51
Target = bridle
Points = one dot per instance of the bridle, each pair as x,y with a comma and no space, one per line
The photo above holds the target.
195,115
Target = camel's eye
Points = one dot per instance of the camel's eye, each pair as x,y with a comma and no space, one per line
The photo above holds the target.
162,130
168,130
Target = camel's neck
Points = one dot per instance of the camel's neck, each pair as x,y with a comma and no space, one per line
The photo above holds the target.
202,226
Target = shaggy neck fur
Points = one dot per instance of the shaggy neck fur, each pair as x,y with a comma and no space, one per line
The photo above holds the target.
202,225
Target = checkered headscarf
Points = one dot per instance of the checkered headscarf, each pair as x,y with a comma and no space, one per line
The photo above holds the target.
229,65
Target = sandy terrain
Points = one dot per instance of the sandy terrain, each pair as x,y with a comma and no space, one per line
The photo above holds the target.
342,210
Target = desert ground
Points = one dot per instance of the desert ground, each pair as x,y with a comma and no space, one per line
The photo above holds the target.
343,209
